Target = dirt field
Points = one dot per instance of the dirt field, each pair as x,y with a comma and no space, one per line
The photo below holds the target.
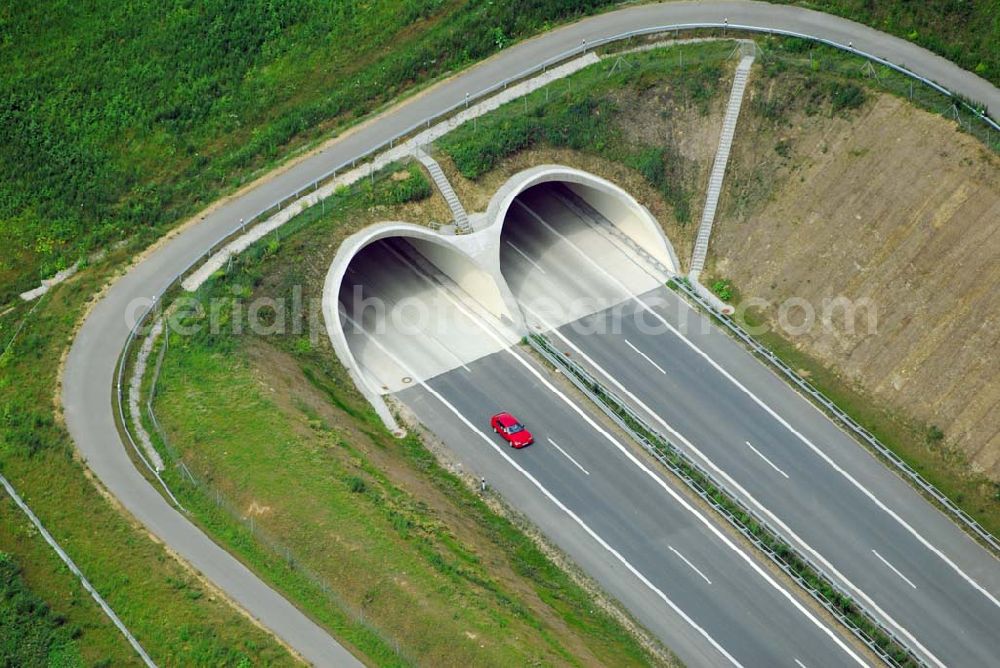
891,204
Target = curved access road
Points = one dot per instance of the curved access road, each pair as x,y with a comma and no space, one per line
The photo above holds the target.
89,371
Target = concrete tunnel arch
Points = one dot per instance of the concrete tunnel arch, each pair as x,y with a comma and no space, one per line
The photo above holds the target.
451,259
607,198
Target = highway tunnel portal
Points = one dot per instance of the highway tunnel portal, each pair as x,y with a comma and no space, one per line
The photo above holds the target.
403,303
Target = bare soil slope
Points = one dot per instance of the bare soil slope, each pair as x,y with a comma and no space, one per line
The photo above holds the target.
889,203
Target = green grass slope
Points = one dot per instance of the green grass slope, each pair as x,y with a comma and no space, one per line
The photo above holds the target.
119,118
966,32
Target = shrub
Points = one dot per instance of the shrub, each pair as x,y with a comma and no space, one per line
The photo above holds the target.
846,96
410,189
356,485
723,288
32,634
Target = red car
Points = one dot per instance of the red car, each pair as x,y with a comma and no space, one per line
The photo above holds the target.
511,430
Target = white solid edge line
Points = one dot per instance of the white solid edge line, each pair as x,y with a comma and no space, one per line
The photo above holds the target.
692,566
611,240
559,504
894,569
784,527
568,456
645,356
800,664
631,457
769,462
525,256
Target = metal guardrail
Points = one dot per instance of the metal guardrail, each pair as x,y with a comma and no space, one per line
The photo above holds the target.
846,420
625,417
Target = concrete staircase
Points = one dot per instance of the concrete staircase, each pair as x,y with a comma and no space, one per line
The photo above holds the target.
719,167
457,210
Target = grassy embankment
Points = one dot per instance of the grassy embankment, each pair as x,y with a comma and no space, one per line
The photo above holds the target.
965,32
350,522
177,618
921,445
585,113
30,629
118,120
918,444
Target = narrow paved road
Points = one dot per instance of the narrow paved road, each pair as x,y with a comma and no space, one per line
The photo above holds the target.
89,369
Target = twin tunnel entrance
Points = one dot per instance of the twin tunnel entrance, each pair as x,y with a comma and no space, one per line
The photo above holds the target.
404,304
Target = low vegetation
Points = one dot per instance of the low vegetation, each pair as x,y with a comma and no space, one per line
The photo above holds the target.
865,203
963,31
584,113
118,120
795,84
33,635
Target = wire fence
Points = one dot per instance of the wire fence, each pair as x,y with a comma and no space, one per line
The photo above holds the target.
75,570
971,110
809,57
